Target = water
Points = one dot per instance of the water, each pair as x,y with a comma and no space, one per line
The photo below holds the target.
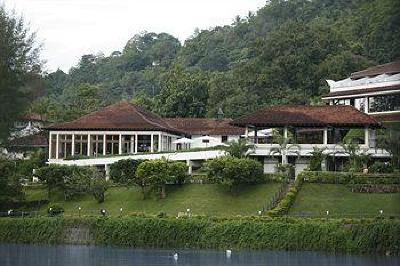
67,255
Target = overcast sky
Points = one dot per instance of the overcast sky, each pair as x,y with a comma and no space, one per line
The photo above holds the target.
71,28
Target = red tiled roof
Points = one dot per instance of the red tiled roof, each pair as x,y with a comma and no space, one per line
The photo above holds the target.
392,89
305,115
393,117
205,126
389,68
119,116
37,140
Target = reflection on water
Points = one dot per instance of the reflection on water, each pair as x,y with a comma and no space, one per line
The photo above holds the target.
67,255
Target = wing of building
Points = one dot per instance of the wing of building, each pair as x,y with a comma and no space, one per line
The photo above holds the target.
375,91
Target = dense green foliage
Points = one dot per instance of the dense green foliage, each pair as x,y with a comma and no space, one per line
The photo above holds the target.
20,80
348,178
350,236
124,172
158,173
72,180
232,171
10,187
239,149
282,54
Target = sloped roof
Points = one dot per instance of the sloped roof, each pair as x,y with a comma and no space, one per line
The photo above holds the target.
389,68
305,115
205,126
36,140
119,116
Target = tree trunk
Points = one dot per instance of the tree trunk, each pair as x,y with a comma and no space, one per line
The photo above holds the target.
143,193
163,194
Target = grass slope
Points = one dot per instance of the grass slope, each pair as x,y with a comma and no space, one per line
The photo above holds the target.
315,199
201,199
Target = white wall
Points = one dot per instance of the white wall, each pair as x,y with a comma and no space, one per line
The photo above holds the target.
199,144
269,165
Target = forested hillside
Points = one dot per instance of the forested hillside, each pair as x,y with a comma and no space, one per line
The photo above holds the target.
282,54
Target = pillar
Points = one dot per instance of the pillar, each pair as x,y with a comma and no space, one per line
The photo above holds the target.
89,146
107,169
255,135
159,143
73,145
104,144
132,150
57,145
120,144
152,144
246,132
325,136
366,105
366,135
285,132
136,143
50,145
190,166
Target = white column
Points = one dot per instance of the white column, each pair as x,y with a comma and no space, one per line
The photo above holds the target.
325,136
107,169
50,145
160,147
285,132
190,168
132,144
120,144
57,145
152,144
136,143
73,144
104,144
366,105
88,145
366,136
246,132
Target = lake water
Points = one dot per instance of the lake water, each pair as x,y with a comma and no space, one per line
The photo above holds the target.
68,255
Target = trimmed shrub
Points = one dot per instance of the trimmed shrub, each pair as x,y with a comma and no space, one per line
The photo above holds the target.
124,171
233,171
381,167
287,201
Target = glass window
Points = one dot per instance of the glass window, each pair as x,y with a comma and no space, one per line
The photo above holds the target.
224,139
155,143
144,143
96,144
309,136
384,103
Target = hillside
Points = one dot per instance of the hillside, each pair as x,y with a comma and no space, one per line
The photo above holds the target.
282,54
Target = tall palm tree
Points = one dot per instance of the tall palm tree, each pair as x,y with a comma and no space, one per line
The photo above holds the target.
240,148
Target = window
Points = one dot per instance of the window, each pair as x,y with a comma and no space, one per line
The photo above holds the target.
345,135
309,135
224,139
112,144
359,103
81,144
384,103
97,142
144,143
65,148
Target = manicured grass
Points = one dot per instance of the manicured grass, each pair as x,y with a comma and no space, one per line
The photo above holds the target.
200,199
35,193
316,199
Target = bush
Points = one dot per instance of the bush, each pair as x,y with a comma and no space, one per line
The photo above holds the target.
124,171
233,171
348,178
381,167
158,173
98,187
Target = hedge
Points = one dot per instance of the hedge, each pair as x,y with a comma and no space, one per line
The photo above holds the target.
288,200
334,235
349,178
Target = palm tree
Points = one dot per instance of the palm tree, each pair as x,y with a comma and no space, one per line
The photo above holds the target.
389,140
240,148
284,147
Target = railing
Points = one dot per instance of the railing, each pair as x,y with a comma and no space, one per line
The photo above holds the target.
277,197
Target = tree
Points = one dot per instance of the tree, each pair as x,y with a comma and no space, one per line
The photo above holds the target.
158,173
239,149
233,171
10,187
317,156
18,59
285,146
183,94
390,141
124,171
98,187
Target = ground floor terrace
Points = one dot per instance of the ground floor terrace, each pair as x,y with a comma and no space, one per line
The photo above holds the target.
70,144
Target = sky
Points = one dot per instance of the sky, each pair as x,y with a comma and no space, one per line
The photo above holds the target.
69,29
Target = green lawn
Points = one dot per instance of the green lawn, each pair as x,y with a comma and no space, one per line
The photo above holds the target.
316,199
201,199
